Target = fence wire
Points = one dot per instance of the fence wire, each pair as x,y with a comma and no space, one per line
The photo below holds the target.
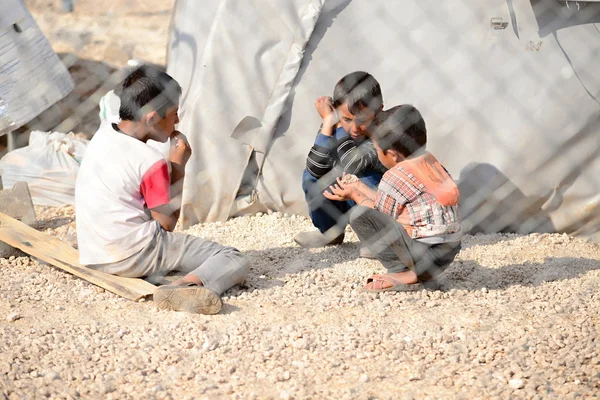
492,202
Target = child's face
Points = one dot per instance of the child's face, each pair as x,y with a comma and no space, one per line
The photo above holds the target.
389,159
355,125
164,127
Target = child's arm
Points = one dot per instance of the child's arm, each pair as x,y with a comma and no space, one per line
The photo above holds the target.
363,195
320,160
357,191
356,159
167,215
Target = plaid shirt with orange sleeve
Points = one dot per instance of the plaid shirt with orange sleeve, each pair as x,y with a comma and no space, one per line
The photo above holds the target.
420,194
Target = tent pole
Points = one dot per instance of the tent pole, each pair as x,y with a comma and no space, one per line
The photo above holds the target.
11,140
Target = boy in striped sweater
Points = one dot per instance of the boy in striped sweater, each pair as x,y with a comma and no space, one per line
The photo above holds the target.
341,147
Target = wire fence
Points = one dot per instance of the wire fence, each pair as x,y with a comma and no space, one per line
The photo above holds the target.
550,184
493,199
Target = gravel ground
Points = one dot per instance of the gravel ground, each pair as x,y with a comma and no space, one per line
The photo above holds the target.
111,31
516,318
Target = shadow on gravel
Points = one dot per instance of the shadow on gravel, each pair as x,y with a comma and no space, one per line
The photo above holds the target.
270,265
269,268
469,275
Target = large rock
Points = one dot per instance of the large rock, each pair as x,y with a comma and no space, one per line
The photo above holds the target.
16,203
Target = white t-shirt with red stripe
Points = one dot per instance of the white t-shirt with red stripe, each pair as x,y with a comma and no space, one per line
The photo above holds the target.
119,180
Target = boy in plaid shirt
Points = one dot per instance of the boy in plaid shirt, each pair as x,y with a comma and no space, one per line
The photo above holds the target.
411,222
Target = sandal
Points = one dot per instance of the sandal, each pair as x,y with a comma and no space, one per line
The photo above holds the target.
188,297
377,282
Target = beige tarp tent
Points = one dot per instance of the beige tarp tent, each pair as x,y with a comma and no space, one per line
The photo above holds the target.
509,89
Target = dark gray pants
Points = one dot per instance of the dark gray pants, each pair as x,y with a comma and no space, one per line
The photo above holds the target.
390,243
218,267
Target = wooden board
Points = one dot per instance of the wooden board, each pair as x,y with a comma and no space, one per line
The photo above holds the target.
62,255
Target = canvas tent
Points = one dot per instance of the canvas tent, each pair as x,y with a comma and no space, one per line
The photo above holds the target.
32,77
509,90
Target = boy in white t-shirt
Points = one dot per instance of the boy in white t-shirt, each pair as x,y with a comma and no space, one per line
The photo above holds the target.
127,202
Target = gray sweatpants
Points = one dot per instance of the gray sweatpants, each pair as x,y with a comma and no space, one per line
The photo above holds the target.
218,267
394,248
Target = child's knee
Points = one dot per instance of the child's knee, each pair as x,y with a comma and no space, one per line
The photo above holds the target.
243,269
308,181
241,263
358,214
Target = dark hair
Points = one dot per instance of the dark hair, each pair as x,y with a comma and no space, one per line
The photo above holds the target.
400,128
147,89
360,90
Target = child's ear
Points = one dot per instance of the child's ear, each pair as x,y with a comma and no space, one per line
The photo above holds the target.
152,118
396,156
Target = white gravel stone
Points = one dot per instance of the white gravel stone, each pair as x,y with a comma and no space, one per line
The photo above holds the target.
12,317
516,383
302,331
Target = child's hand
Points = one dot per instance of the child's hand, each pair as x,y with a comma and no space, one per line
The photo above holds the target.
324,106
340,191
180,149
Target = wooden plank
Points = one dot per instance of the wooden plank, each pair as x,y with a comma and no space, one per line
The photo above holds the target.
62,255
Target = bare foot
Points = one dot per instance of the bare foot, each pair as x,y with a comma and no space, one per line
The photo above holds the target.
405,277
